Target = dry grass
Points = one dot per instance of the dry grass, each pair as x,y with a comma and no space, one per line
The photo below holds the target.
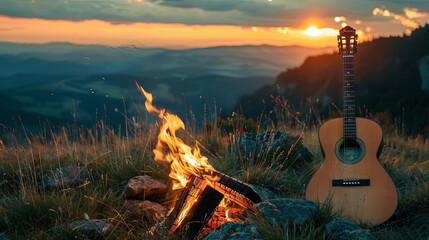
27,210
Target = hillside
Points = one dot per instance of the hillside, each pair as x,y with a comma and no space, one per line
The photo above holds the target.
390,75
56,81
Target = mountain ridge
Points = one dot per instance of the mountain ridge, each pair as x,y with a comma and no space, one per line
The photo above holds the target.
387,80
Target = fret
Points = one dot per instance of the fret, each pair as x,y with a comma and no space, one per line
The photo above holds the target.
349,120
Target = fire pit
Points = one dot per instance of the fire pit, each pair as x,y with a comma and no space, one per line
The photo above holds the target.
208,198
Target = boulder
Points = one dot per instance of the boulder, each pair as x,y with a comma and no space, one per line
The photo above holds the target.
90,227
284,210
274,145
145,210
342,229
234,231
145,187
65,177
264,193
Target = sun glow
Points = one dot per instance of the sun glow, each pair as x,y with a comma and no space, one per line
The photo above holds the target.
313,31
147,34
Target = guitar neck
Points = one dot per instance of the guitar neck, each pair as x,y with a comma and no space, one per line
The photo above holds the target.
349,104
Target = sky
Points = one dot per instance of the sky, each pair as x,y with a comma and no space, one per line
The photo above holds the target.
205,23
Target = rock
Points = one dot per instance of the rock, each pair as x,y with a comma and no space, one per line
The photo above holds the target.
341,229
65,177
90,227
282,210
264,193
144,210
145,187
234,231
274,145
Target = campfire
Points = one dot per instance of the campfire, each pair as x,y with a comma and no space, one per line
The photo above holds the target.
208,198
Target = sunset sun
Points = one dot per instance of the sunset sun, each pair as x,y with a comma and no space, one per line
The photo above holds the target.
313,31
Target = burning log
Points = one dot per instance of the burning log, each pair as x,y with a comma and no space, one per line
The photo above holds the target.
235,190
197,210
221,216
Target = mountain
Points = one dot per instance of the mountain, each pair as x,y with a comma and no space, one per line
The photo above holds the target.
391,75
68,82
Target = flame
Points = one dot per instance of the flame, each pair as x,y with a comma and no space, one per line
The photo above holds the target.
227,217
184,160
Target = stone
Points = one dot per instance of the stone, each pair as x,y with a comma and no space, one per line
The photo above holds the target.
144,210
264,193
234,231
284,210
145,187
90,227
65,177
342,229
274,145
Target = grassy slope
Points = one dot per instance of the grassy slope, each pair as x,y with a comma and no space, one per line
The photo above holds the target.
30,211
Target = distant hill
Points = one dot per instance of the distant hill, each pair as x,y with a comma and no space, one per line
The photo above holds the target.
391,75
61,80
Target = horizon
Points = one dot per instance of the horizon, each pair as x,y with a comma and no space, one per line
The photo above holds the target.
172,48
203,47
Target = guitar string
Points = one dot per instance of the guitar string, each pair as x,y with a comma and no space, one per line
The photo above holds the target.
348,106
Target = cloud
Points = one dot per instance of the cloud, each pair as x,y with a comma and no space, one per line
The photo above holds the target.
275,13
220,12
412,13
412,17
205,5
340,19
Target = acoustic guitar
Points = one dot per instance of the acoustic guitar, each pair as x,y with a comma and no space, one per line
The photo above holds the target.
350,177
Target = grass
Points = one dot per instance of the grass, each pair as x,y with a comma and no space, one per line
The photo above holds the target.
28,211
314,229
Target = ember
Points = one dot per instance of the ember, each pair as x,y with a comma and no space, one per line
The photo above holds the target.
202,205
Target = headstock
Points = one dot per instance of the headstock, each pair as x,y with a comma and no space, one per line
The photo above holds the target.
347,41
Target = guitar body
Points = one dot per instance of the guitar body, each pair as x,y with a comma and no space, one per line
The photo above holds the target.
358,187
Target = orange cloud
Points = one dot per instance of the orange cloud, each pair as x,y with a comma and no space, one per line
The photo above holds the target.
412,13
412,17
339,19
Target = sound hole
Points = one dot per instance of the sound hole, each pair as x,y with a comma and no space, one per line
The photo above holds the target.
350,151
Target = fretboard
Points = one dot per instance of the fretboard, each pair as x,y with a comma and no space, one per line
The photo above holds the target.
349,126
